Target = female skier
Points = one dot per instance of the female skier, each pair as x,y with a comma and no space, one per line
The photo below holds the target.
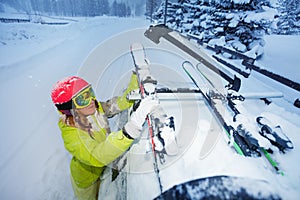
86,133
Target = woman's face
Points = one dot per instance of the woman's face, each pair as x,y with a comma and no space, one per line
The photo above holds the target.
89,110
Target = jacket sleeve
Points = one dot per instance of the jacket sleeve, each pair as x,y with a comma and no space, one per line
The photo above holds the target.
118,104
90,151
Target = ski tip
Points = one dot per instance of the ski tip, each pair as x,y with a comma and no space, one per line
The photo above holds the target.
136,46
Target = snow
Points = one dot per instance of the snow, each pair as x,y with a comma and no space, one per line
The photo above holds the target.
285,50
268,15
34,163
241,1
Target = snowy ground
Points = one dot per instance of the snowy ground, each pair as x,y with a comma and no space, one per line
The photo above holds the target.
34,163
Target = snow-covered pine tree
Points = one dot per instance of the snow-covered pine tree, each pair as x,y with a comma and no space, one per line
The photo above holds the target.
237,24
151,6
289,18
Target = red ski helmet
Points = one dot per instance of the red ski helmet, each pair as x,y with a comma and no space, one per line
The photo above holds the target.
64,90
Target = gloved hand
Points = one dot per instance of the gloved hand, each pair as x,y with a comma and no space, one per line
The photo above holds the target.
135,124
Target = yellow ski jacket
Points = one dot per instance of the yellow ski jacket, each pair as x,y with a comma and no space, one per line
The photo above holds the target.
92,154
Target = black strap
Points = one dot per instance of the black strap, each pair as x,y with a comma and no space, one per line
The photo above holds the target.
126,134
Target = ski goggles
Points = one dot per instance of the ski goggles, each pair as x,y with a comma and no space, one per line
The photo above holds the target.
84,98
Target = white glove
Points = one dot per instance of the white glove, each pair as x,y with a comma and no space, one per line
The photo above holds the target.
135,124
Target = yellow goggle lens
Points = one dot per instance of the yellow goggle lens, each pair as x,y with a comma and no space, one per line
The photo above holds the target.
84,98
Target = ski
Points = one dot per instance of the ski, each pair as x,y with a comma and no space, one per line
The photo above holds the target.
243,140
237,141
161,127
148,88
256,143
138,55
